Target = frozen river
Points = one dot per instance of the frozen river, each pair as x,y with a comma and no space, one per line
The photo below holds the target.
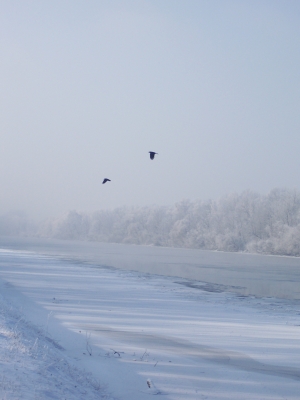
75,324
245,274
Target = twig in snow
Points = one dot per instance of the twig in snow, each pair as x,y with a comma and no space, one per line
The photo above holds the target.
144,355
88,345
117,352
48,322
153,389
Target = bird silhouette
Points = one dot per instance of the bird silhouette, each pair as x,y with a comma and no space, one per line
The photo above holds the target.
152,155
106,180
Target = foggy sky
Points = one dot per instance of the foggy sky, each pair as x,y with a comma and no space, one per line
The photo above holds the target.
89,87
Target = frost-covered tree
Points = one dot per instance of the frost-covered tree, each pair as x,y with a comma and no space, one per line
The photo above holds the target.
248,221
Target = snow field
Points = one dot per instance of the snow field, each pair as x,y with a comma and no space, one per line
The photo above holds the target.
135,335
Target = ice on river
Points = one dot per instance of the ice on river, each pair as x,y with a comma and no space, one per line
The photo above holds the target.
78,330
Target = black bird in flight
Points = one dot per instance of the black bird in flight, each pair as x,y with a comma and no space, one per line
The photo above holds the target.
152,154
106,180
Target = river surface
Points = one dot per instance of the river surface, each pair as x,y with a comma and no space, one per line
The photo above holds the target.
244,274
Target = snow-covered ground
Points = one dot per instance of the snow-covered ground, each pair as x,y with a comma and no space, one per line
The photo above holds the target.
71,330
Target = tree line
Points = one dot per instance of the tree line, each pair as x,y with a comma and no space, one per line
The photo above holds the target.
248,222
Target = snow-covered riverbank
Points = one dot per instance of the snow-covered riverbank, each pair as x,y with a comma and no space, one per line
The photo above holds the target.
72,330
33,365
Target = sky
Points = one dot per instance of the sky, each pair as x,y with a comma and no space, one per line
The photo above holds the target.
89,87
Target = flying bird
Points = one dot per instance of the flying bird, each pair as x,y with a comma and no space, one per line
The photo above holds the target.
106,180
152,154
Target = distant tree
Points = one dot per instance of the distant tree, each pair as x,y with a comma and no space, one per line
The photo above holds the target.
248,221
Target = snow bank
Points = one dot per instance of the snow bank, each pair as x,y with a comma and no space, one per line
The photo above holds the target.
33,365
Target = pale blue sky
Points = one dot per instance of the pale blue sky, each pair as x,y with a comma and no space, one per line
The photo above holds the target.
89,87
